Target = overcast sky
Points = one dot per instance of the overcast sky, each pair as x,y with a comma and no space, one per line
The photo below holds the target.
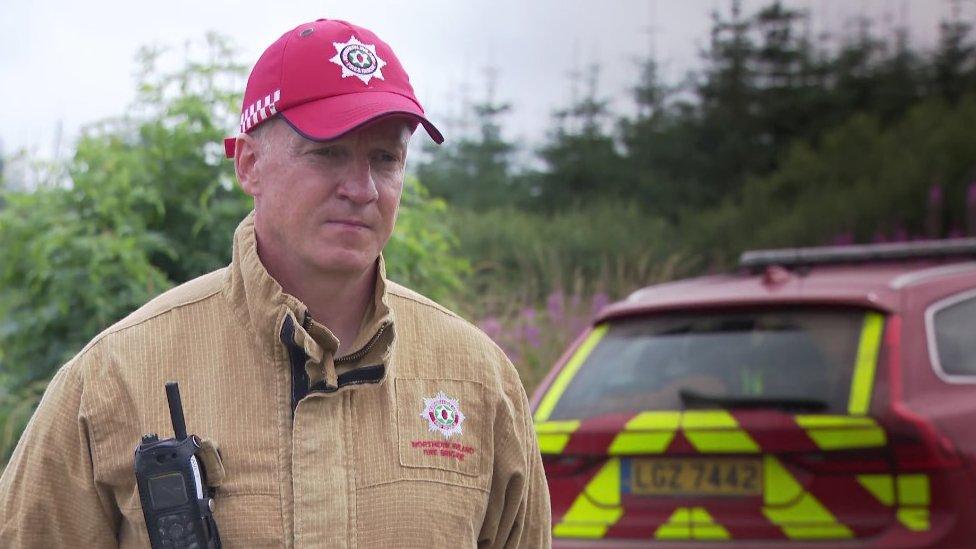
71,63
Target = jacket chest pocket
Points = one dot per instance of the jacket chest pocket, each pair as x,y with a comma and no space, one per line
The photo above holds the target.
428,467
444,431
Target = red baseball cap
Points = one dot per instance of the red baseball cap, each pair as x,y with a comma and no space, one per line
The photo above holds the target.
326,78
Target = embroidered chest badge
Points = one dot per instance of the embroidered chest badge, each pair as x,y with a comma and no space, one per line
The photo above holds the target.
443,415
358,59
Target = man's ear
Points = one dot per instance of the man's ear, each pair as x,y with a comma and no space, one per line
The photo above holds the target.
247,153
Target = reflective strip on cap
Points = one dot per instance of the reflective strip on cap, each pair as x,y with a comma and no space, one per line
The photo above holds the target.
646,433
831,432
716,431
588,519
862,382
554,435
568,372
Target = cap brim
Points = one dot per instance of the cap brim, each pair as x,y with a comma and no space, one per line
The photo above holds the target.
332,117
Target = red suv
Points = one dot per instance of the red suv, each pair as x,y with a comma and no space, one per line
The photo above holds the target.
817,395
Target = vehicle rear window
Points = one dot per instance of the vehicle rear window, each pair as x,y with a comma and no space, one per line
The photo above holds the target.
644,363
954,338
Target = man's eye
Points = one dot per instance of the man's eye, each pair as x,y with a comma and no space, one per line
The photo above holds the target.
328,152
387,157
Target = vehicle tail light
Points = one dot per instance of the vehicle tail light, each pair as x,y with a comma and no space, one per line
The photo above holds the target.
559,465
917,446
914,442
867,461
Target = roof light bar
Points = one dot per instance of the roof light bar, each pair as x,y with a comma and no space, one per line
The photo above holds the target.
862,253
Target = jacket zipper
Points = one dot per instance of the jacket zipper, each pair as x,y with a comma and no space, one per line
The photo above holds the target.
352,357
297,357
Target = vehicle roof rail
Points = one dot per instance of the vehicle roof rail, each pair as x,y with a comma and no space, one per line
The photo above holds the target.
756,260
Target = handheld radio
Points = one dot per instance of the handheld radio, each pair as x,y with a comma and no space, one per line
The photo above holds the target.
176,501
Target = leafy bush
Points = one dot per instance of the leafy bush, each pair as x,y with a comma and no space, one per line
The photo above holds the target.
421,253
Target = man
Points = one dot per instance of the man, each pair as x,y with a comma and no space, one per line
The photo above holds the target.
349,411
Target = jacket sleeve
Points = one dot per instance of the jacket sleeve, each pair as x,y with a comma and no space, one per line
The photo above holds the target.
48,495
518,514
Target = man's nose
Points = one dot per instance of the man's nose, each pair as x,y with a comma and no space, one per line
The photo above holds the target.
358,185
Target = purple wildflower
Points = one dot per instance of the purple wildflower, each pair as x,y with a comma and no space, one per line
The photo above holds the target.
599,301
933,218
971,208
531,334
900,234
556,306
843,239
492,327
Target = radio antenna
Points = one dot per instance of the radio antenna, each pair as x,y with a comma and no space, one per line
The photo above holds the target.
176,409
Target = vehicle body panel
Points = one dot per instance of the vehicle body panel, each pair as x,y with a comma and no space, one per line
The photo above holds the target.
807,493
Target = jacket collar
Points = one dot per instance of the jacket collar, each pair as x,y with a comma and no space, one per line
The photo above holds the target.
259,298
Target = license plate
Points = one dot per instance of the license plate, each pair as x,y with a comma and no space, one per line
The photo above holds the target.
693,477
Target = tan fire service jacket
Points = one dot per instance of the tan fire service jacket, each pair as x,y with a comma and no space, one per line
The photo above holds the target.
359,461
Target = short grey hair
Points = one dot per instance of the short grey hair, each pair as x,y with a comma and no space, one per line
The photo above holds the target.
259,134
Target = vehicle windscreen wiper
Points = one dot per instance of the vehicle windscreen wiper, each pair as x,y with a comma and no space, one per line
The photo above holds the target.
693,399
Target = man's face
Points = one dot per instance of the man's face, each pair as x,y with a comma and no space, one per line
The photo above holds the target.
328,207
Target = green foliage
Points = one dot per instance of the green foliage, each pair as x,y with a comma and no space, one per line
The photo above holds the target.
150,204
955,61
71,268
175,149
421,253
538,277
765,85
68,275
582,161
863,182
610,246
474,171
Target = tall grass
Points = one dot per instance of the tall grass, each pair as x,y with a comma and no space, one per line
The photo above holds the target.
610,247
538,279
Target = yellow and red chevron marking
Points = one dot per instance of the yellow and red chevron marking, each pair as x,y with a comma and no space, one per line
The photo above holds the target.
709,432
787,510
792,507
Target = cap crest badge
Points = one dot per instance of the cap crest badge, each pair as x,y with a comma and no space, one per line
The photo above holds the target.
443,415
358,59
